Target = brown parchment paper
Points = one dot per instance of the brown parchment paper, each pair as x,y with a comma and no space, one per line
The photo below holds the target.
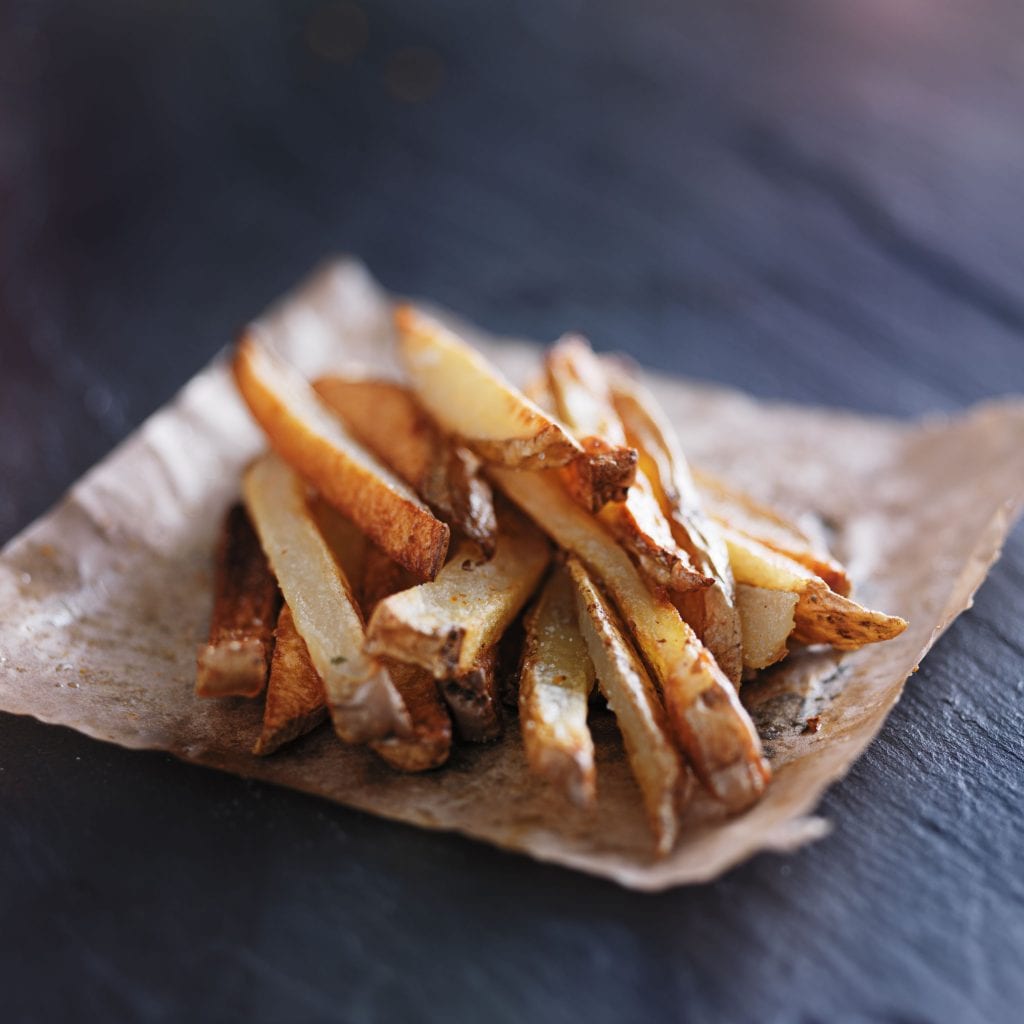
103,600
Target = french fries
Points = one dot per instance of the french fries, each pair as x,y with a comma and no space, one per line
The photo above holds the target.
731,507
444,626
235,659
386,418
656,765
579,389
471,400
822,616
296,703
428,742
661,459
555,681
706,715
664,592
304,432
768,621
363,703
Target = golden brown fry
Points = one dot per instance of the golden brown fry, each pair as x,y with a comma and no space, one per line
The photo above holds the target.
446,625
554,690
580,393
386,418
664,782
471,400
307,435
822,616
663,462
767,617
579,389
429,741
708,720
235,659
642,529
741,512
296,702
364,704
472,697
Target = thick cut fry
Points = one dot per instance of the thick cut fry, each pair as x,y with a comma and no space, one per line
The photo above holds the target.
704,709
554,690
363,703
822,616
473,699
767,618
733,508
386,418
580,392
663,780
429,741
234,662
663,463
579,389
471,400
446,625
310,438
296,703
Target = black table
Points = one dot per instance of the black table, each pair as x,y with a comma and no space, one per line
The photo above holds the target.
816,202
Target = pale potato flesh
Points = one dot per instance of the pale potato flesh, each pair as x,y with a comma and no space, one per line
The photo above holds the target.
822,616
311,439
655,762
555,681
364,705
471,400
296,702
704,709
768,621
444,626
662,460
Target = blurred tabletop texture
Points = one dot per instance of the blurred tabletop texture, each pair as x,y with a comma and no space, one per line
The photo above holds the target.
818,202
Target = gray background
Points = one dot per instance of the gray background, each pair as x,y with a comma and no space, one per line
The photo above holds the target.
817,202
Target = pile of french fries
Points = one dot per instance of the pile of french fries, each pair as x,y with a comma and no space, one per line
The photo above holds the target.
411,556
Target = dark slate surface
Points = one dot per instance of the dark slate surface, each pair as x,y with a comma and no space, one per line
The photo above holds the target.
816,202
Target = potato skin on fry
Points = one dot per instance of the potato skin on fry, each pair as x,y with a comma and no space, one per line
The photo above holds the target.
822,616
304,432
555,681
704,709
472,401
664,782
235,659
386,418
473,700
296,703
